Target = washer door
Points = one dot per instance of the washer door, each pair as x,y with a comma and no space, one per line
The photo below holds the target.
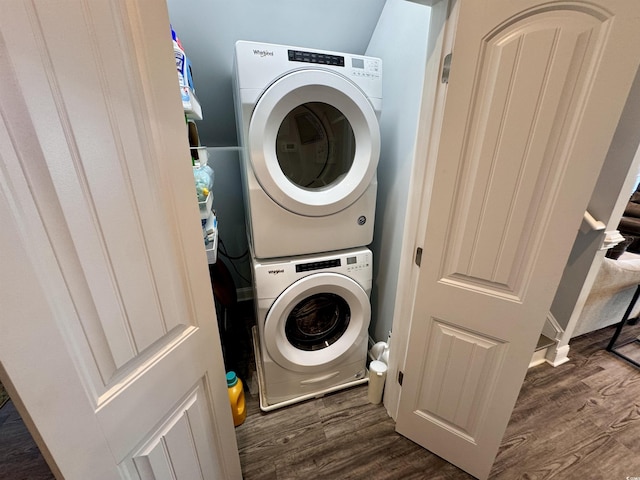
314,142
316,322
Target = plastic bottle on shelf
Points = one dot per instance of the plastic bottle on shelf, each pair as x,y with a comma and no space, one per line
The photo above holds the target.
178,51
203,177
236,398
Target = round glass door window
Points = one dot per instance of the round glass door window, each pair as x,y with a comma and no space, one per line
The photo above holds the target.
317,321
315,146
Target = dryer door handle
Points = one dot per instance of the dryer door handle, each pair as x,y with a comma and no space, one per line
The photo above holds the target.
311,381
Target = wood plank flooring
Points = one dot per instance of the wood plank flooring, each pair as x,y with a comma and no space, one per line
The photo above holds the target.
577,421
20,458
580,420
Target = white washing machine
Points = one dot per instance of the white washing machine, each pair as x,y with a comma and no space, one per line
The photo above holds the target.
308,128
313,316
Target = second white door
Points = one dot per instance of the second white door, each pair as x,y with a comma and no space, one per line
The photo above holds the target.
534,96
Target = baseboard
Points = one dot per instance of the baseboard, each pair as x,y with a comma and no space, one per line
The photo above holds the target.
557,356
244,293
538,358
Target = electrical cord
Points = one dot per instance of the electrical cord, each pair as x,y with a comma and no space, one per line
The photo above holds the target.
223,251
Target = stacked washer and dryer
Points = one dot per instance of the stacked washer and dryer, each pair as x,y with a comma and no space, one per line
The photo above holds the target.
308,128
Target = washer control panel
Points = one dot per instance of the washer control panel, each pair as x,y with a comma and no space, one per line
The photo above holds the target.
272,276
349,261
307,267
357,262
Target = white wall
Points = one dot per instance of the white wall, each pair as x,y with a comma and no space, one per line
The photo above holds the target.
400,39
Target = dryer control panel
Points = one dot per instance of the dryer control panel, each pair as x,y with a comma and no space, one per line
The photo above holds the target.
364,67
258,65
315,57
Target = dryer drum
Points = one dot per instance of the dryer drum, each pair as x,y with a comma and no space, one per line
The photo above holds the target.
315,146
318,321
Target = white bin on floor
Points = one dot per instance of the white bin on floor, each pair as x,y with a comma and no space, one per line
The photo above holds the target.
377,377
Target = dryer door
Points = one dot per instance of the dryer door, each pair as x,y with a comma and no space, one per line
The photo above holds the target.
316,322
314,142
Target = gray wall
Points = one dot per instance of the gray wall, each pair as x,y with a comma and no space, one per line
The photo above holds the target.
400,39
606,204
395,30
229,207
209,29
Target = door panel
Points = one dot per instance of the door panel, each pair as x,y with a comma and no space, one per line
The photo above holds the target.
99,188
469,378
525,130
182,444
526,99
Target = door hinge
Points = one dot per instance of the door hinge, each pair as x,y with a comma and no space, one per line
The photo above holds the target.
400,377
446,68
418,256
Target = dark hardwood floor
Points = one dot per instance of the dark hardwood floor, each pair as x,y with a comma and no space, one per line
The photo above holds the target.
20,458
580,420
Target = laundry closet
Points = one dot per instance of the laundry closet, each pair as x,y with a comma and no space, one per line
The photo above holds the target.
107,290
538,54
220,42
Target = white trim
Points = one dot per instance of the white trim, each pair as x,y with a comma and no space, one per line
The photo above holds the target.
441,36
611,239
538,357
552,328
553,355
557,356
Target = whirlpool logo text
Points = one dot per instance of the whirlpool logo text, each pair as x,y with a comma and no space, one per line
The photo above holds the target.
276,272
263,53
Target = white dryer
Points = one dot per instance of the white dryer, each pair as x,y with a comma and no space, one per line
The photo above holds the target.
308,128
312,315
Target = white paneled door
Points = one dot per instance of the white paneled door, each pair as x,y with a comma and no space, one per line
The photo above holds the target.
535,92
109,337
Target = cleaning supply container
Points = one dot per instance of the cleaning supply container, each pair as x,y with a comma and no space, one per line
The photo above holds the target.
236,398
377,377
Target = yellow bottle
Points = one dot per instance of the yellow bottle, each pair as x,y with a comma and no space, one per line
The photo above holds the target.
236,398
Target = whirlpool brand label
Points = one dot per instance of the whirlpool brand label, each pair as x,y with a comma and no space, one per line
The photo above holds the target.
276,271
263,53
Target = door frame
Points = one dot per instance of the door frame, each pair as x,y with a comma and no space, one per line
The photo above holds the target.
442,31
